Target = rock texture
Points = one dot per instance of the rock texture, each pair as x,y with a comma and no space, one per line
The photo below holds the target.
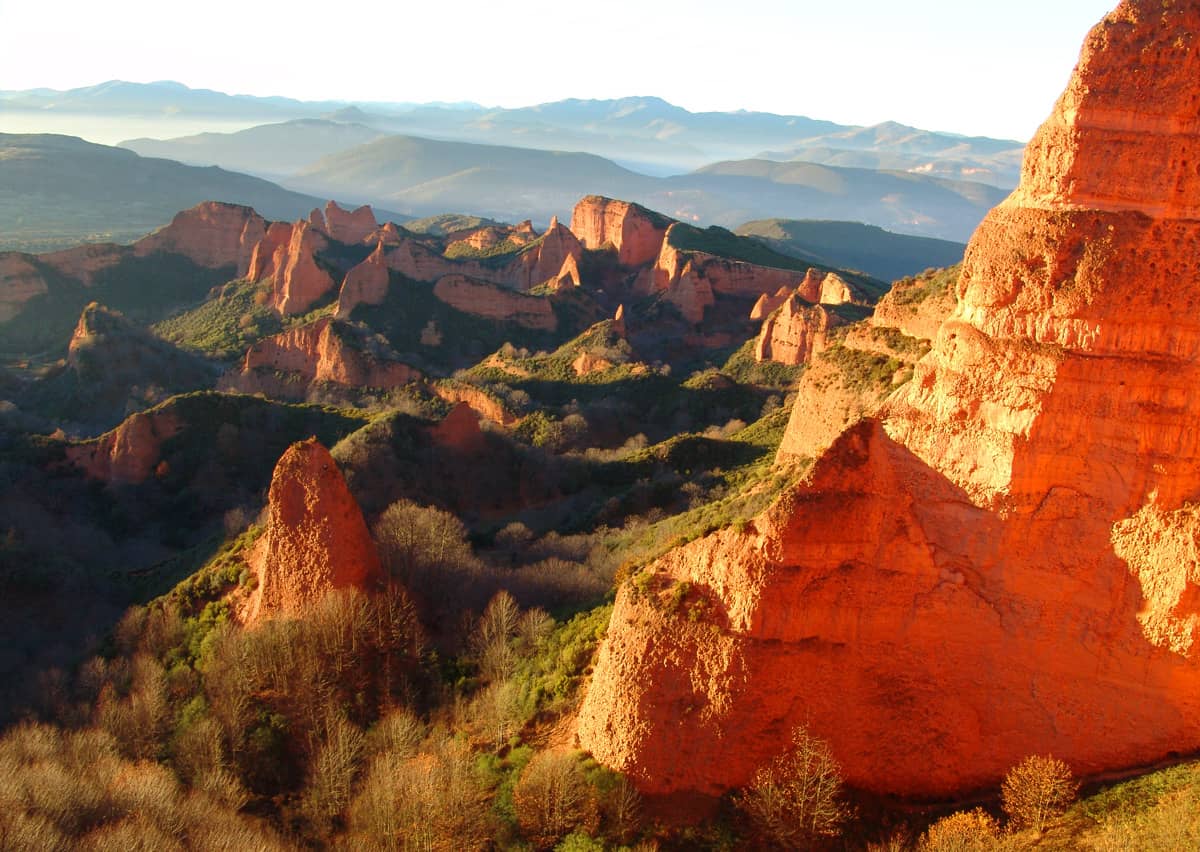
365,284
316,540
1003,563
129,454
795,332
349,226
328,350
212,234
287,255
635,232
490,301
691,279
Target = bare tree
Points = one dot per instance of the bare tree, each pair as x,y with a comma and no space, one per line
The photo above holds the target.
552,798
796,799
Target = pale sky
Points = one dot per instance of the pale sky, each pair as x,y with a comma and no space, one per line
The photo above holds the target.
959,65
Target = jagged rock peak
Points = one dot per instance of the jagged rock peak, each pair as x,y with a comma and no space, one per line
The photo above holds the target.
316,540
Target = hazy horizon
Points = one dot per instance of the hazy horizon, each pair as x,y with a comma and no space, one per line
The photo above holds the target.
971,71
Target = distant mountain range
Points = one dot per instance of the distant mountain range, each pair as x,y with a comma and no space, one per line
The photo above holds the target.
422,176
57,191
647,134
534,162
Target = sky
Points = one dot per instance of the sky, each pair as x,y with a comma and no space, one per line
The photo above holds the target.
965,66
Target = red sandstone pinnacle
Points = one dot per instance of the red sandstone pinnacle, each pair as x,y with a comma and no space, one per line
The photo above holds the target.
365,284
795,332
1004,564
316,540
287,255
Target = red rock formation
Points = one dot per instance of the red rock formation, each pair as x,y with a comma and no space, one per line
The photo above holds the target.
481,402
20,281
795,332
635,232
490,301
768,304
129,454
263,255
554,259
829,288
365,284
689,279
459,430
287,254
586,363
212,234
618,322
316,540
349,226
327,350
908,309
1002,565
83,263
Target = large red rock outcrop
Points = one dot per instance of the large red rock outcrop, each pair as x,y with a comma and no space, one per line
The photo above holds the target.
287,254
212,234
327,350
349,226
635,232
691,279
493,302
365,284
1003,564
795,332
316,540
129,454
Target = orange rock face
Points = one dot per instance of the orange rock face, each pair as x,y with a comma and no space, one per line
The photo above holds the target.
365,284
287,255
480,402
349,226
795,332
1004,563
316,540
323,351
690,279
129,454
211,234
459,430
493,302
636,233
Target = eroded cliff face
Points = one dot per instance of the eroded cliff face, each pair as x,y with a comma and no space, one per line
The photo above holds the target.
349,226
491,301
327,350
795,332
129,454
212,234
1003,563
287,255
316,540
635,232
